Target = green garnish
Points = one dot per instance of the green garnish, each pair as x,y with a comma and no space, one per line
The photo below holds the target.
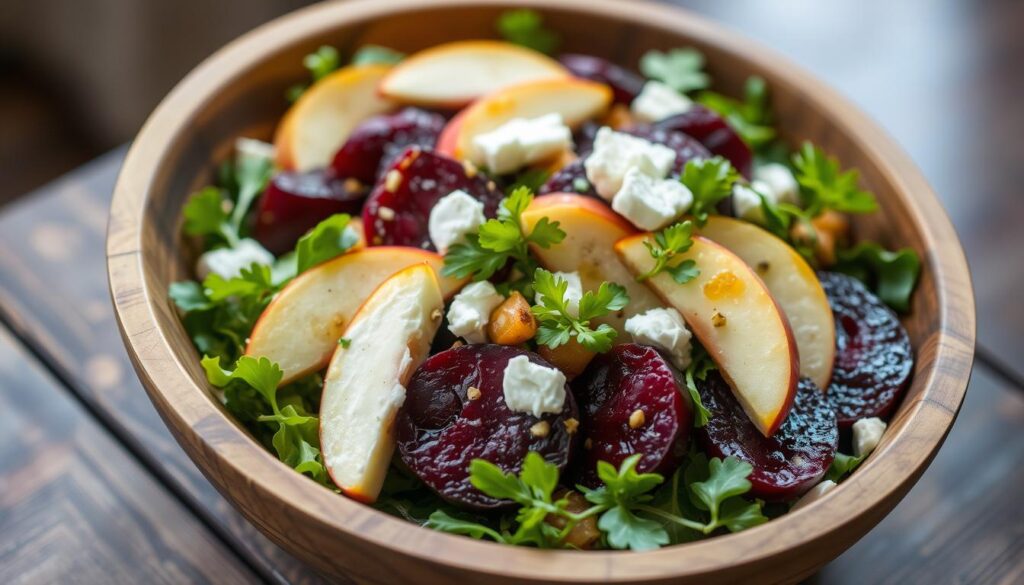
525,27
667,246
751,118
330,238
327,60
251,393
823,186
680,69
700,365
345,342
376,55
501,240
557,326
842,465
710,180
891,275
628,514
221,212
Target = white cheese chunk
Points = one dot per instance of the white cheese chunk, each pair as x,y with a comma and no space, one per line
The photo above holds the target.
452,217
229,262
521,141
658,101
252,148
867,433
650,203
746,203
665,330
814,494
615,153
573,292
471,309
779,181
533,388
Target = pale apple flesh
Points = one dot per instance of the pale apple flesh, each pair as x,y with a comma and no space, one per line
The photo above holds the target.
737,321
576,100
591,230
318,124
299,329
793,284
453,74
364,387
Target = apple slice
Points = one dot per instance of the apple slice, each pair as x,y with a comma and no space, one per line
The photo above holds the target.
364,387
591,230
318,124
453,74
577,100
736,319
793,284
300,328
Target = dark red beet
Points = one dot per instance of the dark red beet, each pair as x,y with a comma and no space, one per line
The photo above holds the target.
583,138
874,359
788,463
440,430
712,131
686,148
295,202
624,83
375,143
397,211
572,178
616,384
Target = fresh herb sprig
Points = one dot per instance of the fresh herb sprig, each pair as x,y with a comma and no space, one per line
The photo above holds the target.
501,240
680,69
823,186
710,180
525,27
750,118
557,325
666,248
220,212
628,514
892,275
326,60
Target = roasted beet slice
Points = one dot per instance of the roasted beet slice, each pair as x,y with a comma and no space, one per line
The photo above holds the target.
295,202
714,133
788,463
572,178
631,401
874,359
397,211
444,425
625,84
376,142
686,148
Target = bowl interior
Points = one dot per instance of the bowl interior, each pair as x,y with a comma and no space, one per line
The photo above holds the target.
240,92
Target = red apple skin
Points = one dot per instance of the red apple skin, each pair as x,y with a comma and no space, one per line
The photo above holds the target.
587,203
794,359
449,138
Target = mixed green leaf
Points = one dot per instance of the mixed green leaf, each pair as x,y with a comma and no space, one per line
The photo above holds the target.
750,118
710,180
557,325
680,69
667,247
891,275
525,27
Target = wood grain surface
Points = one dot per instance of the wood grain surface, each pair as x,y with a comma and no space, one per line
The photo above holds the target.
76,506
947,529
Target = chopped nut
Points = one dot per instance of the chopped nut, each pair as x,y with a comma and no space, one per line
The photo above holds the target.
512,322
540,429
386,213
571,425
353,185
413,155
473,393
763,266
588,444
491,186
436,314
457,343
469,168
718,319
393,180
637,419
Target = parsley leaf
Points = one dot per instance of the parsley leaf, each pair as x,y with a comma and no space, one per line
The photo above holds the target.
842,465
823,186
557,326
751,118
680,69
330,238
892,275
668,245
710,180
376,55
525,27
205,215
501,240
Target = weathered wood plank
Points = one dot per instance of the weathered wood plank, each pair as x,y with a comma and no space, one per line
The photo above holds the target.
74,506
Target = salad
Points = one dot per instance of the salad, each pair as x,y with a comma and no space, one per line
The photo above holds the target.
546,300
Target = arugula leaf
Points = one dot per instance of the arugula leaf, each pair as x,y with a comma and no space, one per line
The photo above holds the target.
329,239
680,69
502,240
842,465
376,54
823,186
667,246
525,27
556,325
892,275
751,118
710,180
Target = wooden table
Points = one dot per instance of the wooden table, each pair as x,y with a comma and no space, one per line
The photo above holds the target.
94,489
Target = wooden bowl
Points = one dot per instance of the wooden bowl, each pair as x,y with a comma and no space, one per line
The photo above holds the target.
239,91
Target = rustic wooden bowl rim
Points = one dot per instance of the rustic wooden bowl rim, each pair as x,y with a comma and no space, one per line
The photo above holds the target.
188,409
